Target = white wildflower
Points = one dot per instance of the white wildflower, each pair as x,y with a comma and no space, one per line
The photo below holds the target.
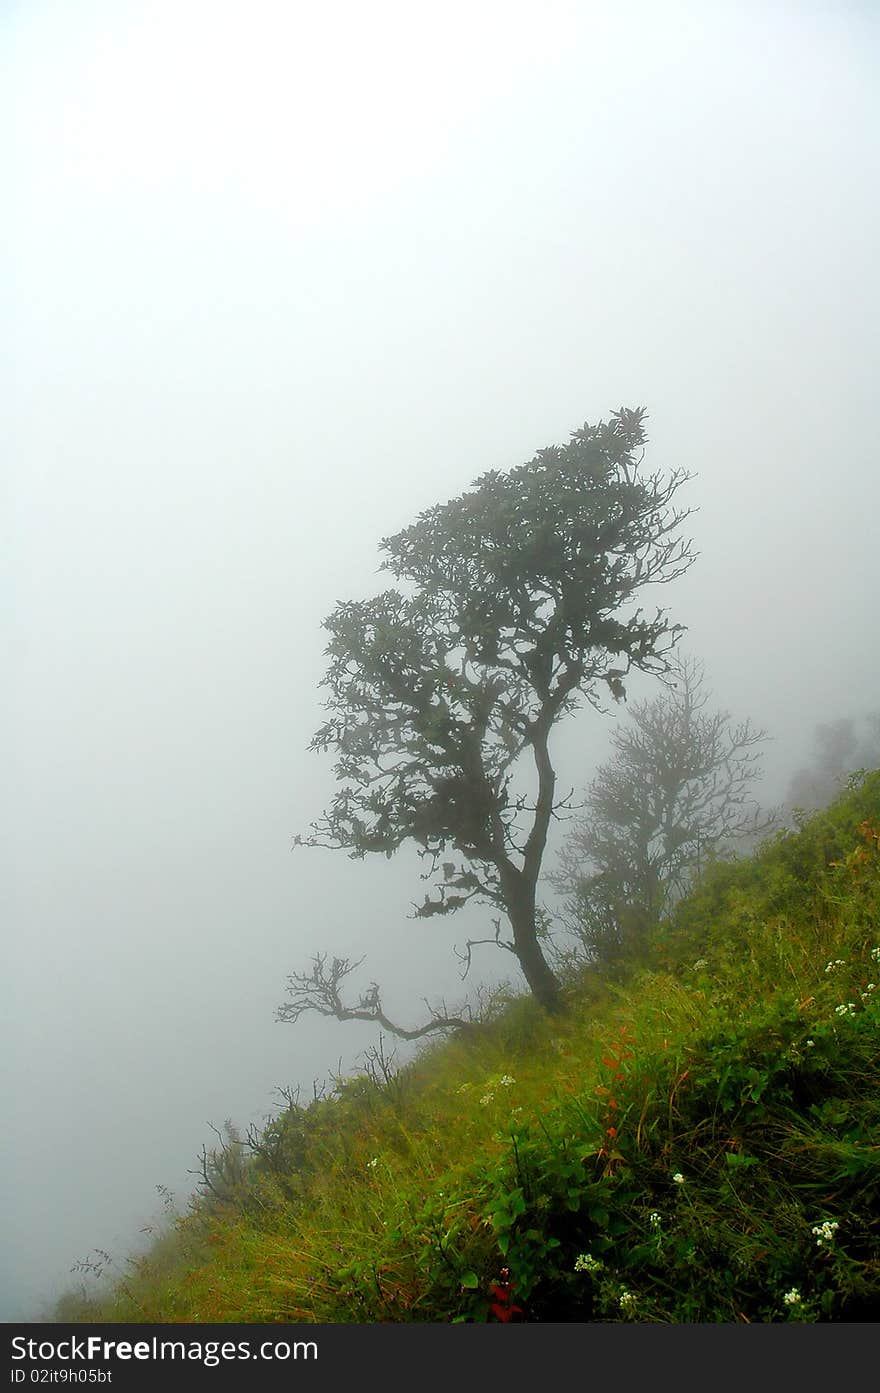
654,1219
793,1297
835,962
505,1081
701,962
846,1009
371,1165
875,954
486,1099
627,1300
586,1263
810,1044
824,1232
678,1178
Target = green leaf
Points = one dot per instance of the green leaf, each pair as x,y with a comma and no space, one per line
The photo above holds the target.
736,1160
470,1280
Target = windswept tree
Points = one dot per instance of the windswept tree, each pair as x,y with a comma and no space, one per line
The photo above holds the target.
676,792
516,601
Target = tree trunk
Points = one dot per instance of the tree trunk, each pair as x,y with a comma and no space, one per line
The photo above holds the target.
543,982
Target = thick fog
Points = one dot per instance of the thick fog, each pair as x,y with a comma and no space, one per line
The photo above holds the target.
276,277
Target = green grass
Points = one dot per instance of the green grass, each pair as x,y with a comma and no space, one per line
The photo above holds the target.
669,1150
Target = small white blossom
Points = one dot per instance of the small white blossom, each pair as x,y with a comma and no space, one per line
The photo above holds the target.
586,1263
678,1178
373,1164
701,962
824,1232
654,1219
792,1298
835,962
875,954
486,1099
505,1081
810,1044
846,1009
627,1300
871,987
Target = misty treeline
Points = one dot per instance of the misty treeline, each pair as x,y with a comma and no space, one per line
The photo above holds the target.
515,605
839,748
678,793
675,795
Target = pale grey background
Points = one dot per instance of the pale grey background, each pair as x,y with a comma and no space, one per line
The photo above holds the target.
275,277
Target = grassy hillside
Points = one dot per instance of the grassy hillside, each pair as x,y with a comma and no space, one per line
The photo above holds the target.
697,1139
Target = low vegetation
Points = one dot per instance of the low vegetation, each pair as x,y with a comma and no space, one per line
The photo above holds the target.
695,1138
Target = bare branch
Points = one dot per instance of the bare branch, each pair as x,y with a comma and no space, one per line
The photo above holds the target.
464,956
318,990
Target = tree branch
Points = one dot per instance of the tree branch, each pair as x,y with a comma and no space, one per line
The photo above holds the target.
318,990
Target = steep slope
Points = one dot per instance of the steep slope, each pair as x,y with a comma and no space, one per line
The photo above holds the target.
697,1140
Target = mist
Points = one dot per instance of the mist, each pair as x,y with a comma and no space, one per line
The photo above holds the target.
276,279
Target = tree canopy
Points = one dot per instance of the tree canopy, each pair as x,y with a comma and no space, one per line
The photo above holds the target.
513,602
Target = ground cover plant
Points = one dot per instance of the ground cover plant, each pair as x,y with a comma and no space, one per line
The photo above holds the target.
696,1138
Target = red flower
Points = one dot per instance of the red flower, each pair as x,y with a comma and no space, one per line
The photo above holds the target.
502,1307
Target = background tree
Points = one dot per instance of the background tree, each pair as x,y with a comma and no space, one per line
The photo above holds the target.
516,601
675,793
839,748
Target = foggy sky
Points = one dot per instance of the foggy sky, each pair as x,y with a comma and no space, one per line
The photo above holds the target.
275,278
